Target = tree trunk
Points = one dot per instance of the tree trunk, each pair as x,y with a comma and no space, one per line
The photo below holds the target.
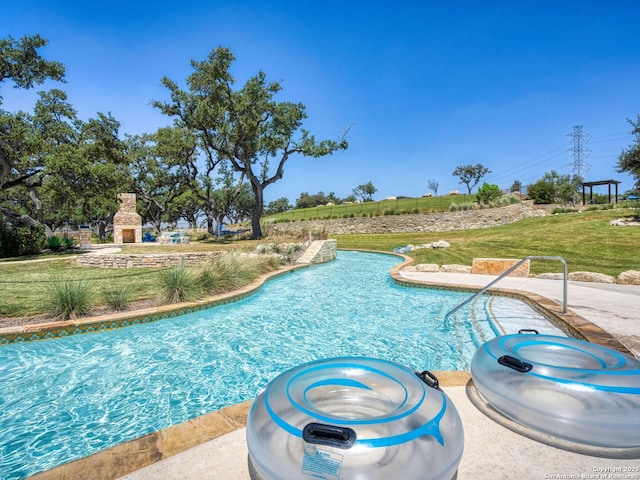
258,195
102,230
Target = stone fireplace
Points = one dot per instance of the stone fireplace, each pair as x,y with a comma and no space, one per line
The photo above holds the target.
127,224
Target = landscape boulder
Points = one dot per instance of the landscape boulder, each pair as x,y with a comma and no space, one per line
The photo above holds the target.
455,268
428,267
630,277
497,266
591,277
438,244
625,222
409,248
551,276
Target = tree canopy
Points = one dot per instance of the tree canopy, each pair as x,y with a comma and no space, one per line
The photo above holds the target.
21,62
470,175
629,158
278,206
553,187
246,126
157,163
365,192
55,168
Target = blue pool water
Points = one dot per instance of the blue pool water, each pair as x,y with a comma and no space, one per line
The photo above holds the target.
66,398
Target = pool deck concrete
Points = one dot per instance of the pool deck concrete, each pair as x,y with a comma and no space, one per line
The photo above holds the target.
495,448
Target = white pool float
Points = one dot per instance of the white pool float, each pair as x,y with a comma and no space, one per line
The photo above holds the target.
568,388
347,418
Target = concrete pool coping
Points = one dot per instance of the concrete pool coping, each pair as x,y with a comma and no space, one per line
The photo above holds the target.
213,446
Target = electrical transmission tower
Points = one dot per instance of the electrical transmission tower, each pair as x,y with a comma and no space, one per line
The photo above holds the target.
579,152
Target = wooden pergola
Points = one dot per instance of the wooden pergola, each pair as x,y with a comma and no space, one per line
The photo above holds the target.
595,184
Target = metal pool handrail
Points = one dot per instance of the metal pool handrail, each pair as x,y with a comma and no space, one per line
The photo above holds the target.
507,272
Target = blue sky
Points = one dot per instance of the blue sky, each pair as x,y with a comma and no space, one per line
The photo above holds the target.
425,86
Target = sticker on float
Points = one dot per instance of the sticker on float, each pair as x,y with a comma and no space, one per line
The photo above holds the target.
319,463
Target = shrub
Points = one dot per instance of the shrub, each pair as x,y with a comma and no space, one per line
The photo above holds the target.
20,237
563,210
275,247
506,200
199,236
604,206
68,242
66,299
463,206
118,296
178,284
553,188
107,239
488,192
630,204
54,243
290,252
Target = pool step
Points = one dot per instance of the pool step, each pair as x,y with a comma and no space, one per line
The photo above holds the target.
319,251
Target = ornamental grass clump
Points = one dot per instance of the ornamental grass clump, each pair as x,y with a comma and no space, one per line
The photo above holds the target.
67,299
118,297
177,285
227,273
270,263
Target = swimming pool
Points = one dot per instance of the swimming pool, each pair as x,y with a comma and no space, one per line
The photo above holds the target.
66,398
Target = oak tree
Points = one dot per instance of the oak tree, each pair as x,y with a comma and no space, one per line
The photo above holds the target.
244,126
470,175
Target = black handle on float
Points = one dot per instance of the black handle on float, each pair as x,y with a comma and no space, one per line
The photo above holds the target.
331,435
515,363
528,330
431,381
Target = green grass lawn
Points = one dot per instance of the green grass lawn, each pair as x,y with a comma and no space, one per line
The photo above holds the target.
380,208
22,284
585,240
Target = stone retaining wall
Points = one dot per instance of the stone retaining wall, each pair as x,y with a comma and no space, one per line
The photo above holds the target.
158,260
327,252
410,223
